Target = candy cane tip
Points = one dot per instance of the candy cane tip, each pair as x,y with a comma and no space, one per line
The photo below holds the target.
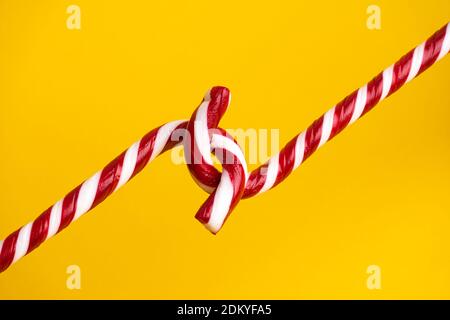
221,94
212,230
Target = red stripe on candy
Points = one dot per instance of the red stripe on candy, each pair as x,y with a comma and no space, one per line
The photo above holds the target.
8,250
312,138
401,72
69,207
286,160
432,49
255,181
145,150
39,230
374,92
343,113
109,179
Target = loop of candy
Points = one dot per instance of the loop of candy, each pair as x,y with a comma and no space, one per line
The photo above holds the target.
234,183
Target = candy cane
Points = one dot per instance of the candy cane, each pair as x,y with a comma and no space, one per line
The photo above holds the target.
87,195
202,136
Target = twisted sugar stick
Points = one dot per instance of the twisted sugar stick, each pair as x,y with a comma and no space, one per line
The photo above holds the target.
348,111
87,195
234,183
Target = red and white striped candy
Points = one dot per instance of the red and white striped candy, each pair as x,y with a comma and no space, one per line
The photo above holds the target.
202,136
88,194
348,111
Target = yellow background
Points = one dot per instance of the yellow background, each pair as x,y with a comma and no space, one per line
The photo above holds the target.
71,100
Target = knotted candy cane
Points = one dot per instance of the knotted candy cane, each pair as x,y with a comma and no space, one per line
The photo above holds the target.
203,136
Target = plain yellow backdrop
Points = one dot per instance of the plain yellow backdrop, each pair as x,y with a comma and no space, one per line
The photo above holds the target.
378,194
